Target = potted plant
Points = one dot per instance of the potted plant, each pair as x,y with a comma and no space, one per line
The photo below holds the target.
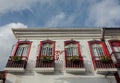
17,58
105,59
75,59
47,59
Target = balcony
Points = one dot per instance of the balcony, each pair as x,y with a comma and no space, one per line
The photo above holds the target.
74,65
2,76
105,66
16,66
45,65
116,58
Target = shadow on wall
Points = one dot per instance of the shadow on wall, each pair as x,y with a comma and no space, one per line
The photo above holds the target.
84,80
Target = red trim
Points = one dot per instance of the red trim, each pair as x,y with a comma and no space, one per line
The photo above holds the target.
39,51
65,53
44,42
54,50
22,42
73,42
114,43
79,51
106,52
14,51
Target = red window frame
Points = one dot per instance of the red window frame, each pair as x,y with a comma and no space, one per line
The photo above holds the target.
115,44
22,42
44,42
106,52
73,42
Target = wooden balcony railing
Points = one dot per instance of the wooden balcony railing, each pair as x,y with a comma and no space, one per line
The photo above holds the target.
3,76
40,63
17,64
74,64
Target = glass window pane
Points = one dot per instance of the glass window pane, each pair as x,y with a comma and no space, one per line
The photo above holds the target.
22,50
97,50
46,49
117,49
71,50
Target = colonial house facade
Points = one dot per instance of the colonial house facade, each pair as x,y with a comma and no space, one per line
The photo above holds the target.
64,55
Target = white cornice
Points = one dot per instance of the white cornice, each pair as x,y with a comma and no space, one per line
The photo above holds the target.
63,33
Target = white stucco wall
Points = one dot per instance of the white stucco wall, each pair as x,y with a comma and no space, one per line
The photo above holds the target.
60,75
50,78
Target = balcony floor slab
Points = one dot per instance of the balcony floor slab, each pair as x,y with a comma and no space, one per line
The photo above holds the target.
71,70
44,69
14,69
104,70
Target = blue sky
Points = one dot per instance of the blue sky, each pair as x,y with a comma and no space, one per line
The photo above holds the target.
70,13
61,13
53,13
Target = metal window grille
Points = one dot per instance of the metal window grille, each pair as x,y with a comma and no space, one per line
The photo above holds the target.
47,49
97,50
22,50
71,50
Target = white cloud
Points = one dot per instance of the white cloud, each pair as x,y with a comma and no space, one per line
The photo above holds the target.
56,20
17,5
7,39
104,13
61,20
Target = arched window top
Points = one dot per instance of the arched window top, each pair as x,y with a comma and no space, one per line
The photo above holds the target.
95,42
71,42
47,45
47,41
96,45
71,45
24,42
23,45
